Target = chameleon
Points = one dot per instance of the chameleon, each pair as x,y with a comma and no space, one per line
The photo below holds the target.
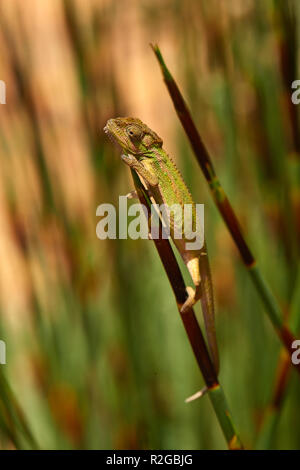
144,153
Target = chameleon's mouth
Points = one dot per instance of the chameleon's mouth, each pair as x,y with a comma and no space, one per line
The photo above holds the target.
108,132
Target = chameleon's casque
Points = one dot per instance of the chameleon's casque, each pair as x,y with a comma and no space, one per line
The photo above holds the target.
132,134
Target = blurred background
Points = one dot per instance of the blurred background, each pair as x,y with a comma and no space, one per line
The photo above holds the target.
96,353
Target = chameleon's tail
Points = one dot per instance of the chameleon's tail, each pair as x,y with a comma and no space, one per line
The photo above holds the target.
197,395
208,309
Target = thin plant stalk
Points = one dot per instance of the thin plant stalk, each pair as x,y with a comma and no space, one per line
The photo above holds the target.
271,305
283,373
12,419
271,415
192,328
286,39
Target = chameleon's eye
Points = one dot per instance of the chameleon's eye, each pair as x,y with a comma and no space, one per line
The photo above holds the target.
134,132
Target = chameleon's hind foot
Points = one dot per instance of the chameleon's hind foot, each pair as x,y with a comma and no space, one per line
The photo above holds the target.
193,297
132,195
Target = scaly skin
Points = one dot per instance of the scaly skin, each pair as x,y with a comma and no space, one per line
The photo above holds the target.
144,153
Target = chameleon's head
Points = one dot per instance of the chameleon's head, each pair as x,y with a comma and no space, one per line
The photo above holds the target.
132,134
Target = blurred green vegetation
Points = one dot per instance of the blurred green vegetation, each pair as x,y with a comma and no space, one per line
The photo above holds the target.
96,352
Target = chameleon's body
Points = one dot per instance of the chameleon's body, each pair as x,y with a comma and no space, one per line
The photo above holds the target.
144,153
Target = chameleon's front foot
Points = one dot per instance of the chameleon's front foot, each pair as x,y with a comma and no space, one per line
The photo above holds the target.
193,297
130,160
150,178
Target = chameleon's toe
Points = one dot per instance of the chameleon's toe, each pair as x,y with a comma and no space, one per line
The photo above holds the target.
128,159
132,195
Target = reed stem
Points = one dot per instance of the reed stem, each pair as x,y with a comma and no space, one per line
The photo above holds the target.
192,328
271,305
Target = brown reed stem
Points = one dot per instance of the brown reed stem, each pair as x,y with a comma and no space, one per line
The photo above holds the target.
192,327
271,306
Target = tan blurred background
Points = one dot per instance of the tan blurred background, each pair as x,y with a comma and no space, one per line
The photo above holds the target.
96,353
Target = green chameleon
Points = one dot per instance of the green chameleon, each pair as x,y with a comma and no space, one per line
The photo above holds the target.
158,173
